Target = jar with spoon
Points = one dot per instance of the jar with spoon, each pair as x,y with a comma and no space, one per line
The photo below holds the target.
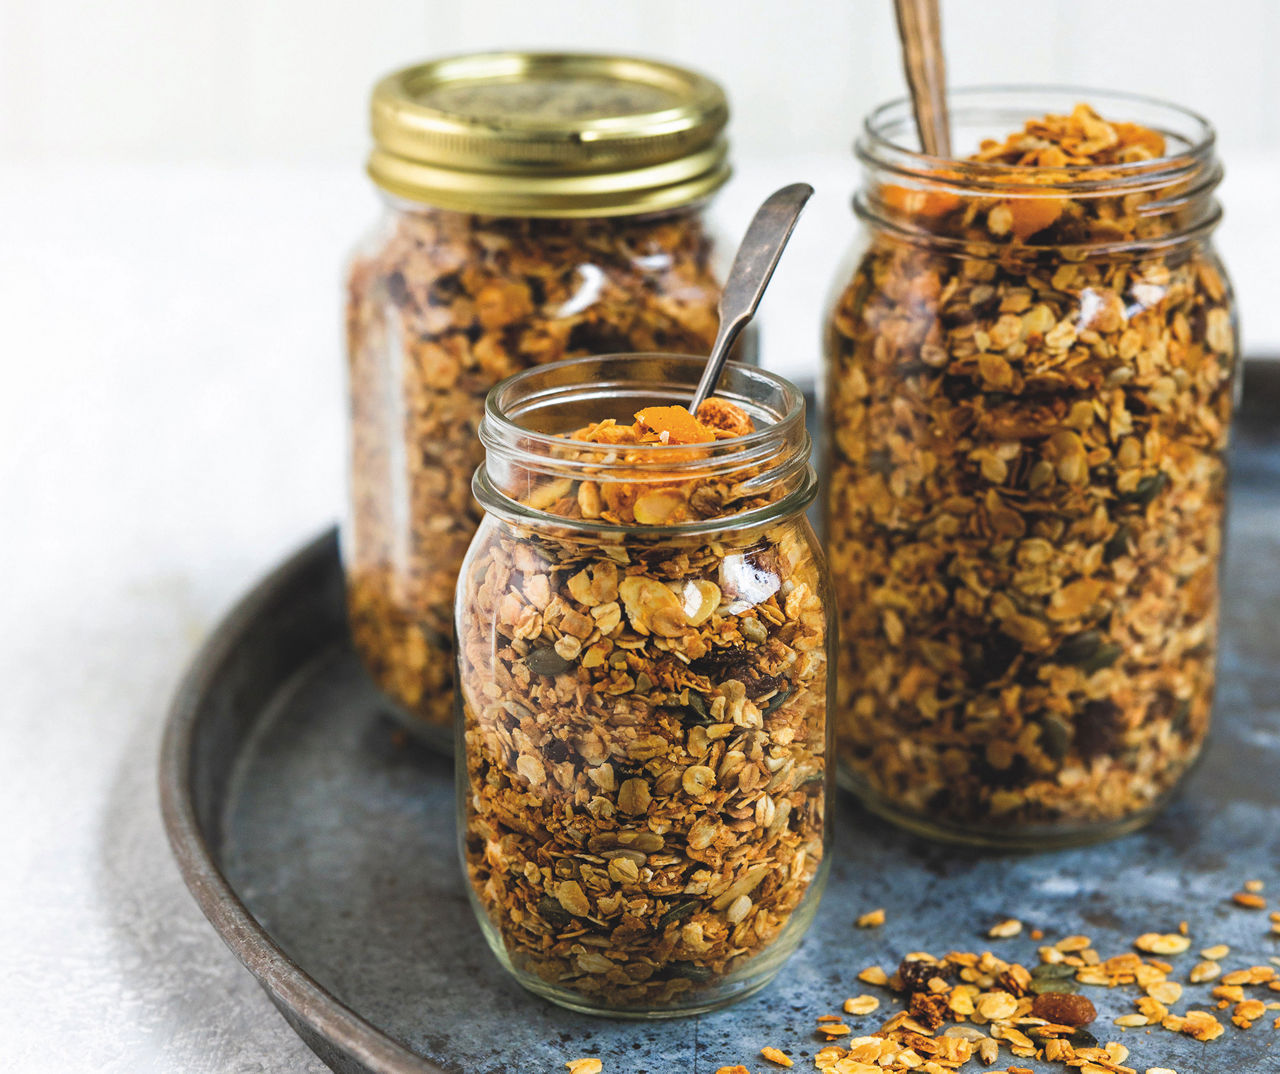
643,626
1030,376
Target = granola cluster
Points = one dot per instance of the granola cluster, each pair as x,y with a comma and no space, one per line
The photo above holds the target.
645,727
1028,412
439,310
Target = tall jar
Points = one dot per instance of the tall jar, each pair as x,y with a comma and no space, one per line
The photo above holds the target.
643,677
1029,387
536,207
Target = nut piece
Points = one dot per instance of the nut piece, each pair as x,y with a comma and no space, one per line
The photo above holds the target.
872,919
775,1056
1004,929
584,1066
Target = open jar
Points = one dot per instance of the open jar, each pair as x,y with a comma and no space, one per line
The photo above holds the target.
1029,390
643,677
537,207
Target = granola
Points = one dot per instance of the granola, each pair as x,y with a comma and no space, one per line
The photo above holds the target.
966,1007
645,725
440,309
1028,406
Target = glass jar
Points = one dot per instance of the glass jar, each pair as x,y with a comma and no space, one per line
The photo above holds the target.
537,207
1029,386
642,777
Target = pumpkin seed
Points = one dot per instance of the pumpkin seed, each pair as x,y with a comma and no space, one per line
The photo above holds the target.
546,661
677,913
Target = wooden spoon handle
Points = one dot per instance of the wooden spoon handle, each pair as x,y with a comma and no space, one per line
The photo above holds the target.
920,26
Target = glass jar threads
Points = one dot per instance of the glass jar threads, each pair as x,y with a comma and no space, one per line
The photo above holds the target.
643,622
1029,390
537,207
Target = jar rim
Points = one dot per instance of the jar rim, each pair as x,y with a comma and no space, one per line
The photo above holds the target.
497,428
776,453
880,146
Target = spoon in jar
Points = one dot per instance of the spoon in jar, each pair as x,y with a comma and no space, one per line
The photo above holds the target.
753,266
920,27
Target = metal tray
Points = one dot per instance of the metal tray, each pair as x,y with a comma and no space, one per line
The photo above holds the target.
319,841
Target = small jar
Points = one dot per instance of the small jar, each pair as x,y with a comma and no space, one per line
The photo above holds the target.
1029,390
642,687
537,207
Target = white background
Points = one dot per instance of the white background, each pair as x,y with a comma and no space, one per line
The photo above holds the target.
179,181
240,80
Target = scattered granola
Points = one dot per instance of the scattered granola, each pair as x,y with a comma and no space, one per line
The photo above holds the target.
1249,900
991,1003
775,1056
873,919
584,1066
644,720
1028,402
439,310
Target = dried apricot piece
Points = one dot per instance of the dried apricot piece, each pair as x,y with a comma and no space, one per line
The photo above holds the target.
674,425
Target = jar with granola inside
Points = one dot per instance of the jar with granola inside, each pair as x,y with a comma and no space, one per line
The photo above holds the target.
1029,389
643,624
537,207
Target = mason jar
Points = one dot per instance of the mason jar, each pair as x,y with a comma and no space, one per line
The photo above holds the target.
643,677
1029,387
535,207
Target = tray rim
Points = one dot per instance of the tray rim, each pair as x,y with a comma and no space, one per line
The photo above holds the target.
288,985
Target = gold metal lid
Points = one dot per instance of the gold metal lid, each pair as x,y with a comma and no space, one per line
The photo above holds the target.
549,134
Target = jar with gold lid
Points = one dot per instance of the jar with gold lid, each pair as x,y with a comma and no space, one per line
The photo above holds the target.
536,207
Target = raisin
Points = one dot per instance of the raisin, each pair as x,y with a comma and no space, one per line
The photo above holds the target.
915,974
1097,728
1064,1009
397,289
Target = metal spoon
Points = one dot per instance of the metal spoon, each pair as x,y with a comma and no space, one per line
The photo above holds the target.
920,27
753,266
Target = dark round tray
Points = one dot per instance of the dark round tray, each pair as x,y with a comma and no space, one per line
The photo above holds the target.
319,841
